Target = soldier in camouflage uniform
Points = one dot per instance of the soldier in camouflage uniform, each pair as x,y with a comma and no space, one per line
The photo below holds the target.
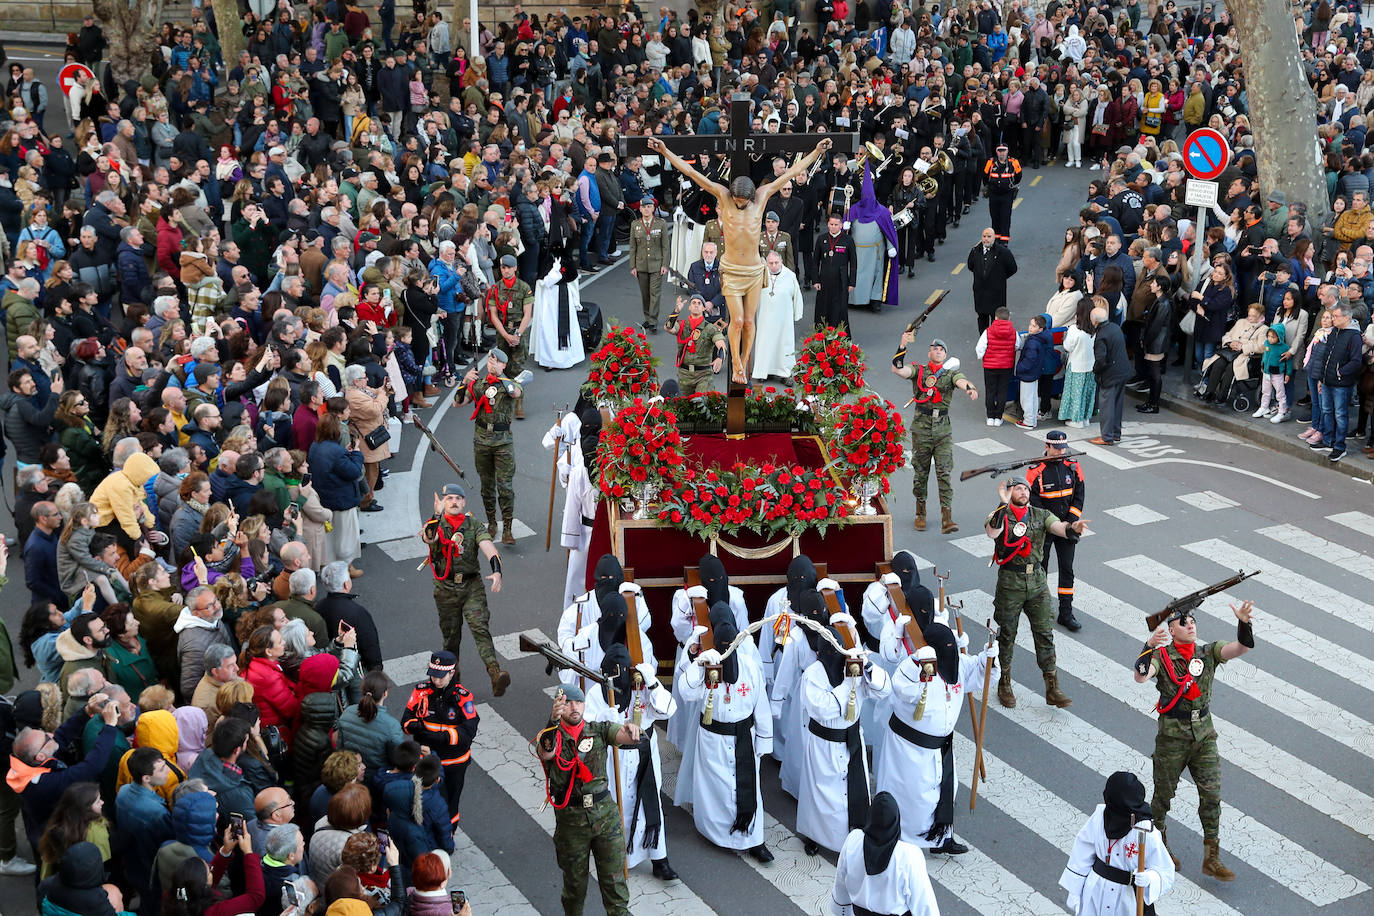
1018,533
454,540
932,438
1183,671
700,346
586,819
494,401
509,308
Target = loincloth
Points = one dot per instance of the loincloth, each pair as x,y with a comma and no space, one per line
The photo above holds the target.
741,279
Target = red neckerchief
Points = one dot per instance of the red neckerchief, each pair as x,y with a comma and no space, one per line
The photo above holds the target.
449,544
482,403
581,773
1187,686
932,393
687,336
1013,547
502,305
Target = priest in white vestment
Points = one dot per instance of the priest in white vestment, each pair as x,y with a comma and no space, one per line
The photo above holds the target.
775,336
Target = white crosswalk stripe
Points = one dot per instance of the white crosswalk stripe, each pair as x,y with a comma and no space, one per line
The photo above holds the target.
1309,591
476,874
1351,561
1207,501
1136,514
1355,521
1259,846
1274,692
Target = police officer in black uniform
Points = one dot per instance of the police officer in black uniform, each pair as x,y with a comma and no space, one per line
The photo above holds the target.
1002,175
441,714
1057,485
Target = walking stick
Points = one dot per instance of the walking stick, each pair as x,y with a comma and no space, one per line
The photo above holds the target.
619,786
553,475
1140,867
959,626
981,725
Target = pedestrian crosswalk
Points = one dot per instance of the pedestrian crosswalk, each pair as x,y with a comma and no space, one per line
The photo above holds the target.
1295,737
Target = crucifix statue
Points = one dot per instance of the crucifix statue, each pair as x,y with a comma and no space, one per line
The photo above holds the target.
740,207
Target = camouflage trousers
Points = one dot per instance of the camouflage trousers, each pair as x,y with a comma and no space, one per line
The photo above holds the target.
691,379
1180,745
1017,592
496,467
468,601
596,830
518,354
932,440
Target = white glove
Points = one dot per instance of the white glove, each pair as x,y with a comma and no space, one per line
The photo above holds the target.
962,640
697,591
709,657
1142,878
695,638
891,252
631,587
846,225
827,584
903,621
890,579
648,672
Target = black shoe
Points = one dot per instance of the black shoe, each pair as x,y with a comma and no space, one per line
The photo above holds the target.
1068,621
761,854
1147,408
955,224
1336,455
931,257
940,241
810,847
950,847
663,871
381,484
966,209
373,506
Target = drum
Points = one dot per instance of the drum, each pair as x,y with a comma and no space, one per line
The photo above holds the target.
902,218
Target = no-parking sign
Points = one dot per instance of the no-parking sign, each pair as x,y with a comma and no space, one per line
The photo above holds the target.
1205,154
66,77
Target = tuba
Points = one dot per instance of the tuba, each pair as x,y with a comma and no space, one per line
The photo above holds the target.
943,165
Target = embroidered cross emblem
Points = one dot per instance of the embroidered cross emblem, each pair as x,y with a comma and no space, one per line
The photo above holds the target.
742,690
1131,850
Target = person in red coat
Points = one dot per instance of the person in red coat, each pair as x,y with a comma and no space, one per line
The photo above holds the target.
273,692
997,347
169,236
375,306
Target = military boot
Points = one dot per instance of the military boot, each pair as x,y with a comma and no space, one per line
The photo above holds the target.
920,515
1053,695
491,530
500,680
1005,696
1211,862
1164,838
947,525
507,533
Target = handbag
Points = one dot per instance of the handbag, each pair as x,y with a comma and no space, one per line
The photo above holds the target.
378,437
1152,121
1188,322
1100,130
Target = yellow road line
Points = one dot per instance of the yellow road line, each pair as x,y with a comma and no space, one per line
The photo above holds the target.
955,271
1018,202
1036,180
933,296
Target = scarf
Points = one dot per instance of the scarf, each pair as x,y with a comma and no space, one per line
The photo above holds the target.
502,305
21,775
1186,684
564,316
1009,546
581,773
450,545
200,507
931,393
482,404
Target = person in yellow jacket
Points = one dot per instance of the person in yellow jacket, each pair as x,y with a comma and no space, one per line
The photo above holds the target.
120,500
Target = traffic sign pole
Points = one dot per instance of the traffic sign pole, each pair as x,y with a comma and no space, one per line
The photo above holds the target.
1205,156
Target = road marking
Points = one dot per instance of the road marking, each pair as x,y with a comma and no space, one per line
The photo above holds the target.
1266,478
1017,203
1261,848
1207,501
982,447
935,294
483,881
402,518
1036,180
957,269
1356,521
408,669
586,280
509,644
503,753
1309,591
978,545
1136,514
1351,561
520,529
402,549
1317,713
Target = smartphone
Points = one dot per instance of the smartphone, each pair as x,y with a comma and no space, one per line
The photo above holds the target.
292,898
383,841
458,898
345,629
236,825
55,374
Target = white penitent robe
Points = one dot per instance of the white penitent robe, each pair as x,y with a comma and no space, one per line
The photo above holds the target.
682,726
577,631
579,501
713,770
548,299
1092,895
823,802
791,663
912,773
654,705
686,242
902,887
780,307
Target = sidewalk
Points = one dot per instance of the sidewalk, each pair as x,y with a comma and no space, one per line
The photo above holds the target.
1279,437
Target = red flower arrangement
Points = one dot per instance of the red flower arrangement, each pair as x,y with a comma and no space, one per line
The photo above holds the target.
830,365
769,500
644,447
622,368
868,437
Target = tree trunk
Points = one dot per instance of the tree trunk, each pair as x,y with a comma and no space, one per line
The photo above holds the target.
131,29
229,23
1283,115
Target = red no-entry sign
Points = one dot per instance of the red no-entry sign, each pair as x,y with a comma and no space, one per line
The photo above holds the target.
1205,154
66,77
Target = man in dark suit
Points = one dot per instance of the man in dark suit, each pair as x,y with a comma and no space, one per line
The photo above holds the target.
991,263
1112,367
837,266
704,277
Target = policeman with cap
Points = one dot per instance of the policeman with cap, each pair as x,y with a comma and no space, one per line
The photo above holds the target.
700,345
932,438
495,399
455,539
441,715
1002,175
1018,532
509,308
1056,484
573,751
774,239
649,256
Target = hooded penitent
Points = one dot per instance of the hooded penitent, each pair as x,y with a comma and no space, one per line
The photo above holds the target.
904,568
881,833
811,605
610,629
801,576
607,577
868,210
714,578
941,639
1124,797
723,631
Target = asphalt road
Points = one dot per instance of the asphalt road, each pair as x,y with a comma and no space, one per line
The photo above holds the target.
1177,505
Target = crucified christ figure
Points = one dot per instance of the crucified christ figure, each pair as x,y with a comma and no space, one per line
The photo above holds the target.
740,209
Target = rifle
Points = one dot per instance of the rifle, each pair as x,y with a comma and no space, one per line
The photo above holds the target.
435,446
914,638
899,358
1192,600
702,611
996,469
945,603
556,659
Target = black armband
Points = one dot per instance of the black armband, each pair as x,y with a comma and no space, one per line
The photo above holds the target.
1245,634
495,562
1070,534
1142,662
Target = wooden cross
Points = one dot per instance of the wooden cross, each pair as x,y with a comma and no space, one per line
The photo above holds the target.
741,142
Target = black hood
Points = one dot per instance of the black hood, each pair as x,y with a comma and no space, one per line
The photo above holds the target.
615,664
1124,797
610,629
723,631
922,604
607,576
801,575
590,437
714,578
831,658
670,388
881,833
941,638
812,606
904,566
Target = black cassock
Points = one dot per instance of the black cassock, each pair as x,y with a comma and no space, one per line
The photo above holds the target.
837,264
